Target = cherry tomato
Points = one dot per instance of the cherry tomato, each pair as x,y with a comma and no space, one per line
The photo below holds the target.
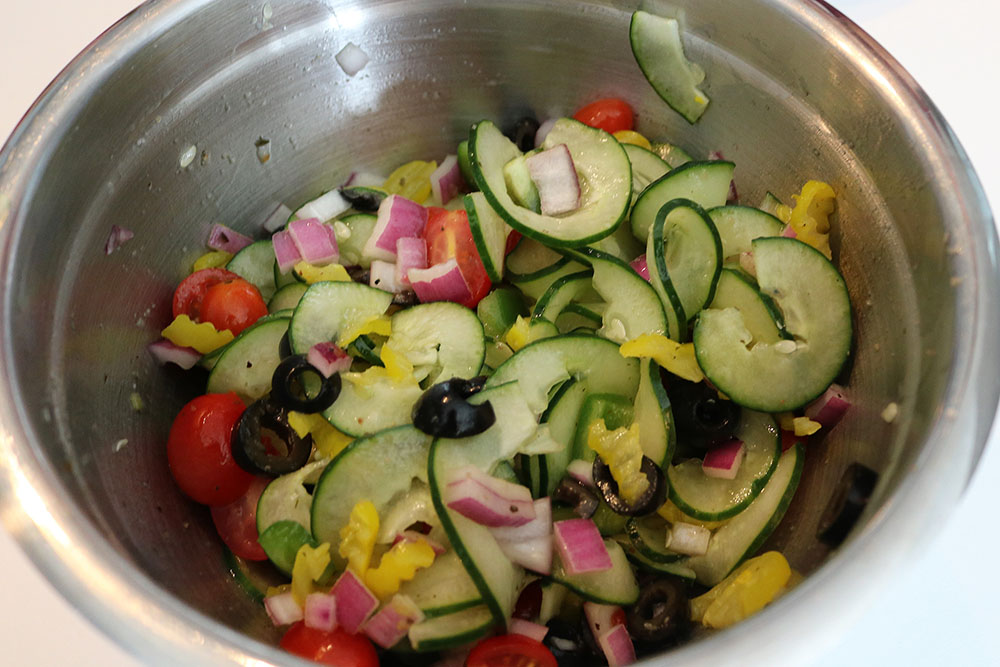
190,293
512,240
448,236
610,114
232,305
510,651
199,451
338,647
237,522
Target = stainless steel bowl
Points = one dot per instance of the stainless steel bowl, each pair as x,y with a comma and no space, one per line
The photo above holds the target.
84,477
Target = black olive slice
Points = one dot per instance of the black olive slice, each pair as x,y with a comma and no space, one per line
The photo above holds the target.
572,644
662,611
842,512
264,443
700,415
655,495
523,133
577,495
363,198
444,411
291,386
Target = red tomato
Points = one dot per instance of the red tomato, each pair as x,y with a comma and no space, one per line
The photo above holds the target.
338,647
512,240
610,114
232,305
510,651
237,522
448,236
189,294
199,450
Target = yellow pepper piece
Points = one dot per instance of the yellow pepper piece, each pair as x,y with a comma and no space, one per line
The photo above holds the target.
397,365
519,334
622,452
811,216
399,564
677,358
786,420
357,538
805,426
412,180
310,563
783,212
381,325
743,593
329,440
317,274
673,514
632,137
212,260
202,336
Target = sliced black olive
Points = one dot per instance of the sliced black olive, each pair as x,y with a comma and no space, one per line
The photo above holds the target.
853,493
405,299
700,415
444,411
661,613
574,493
294,383
359,274
523,133
655,495
569,643
284,346
264,443
363,198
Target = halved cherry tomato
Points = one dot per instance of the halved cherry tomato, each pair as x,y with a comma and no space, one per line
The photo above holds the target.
448,236
610,114
510,651
236,522
189,294
199,451
232,305
512,240
338,647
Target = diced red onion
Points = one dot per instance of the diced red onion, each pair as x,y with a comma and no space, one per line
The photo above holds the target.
688,539
554,174
789,232
543,131
285,251
747,263
602,618
723,461
355,603
277,219
411,253
640,266
414,536
489,501
398,218
364,179
529,545
325,207
582,471
446,180
352,59
283,609
393,621
581,546
166,352
315,241
519,626
226,239
321,611
328,358
617,646
440,282
829,408
116,238
383,276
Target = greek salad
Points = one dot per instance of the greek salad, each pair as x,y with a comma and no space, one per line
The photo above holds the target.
541,403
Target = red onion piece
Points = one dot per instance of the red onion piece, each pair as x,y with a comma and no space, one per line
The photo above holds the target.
724,461
383,276
641,267
315,241
829,408
321,611
554,174
617,646
277,218
285,251
529,545
166,352
581,546
789,440
582,471
440,282
325,207
411,253
789,232
519,626
364,179
398,217
226,239
446,180
689,539
414,536
328,358
602,618
355,603
393,621
283,609
489,501
543,131
116,238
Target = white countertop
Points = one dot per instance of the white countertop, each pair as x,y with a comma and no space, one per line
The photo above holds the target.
943,610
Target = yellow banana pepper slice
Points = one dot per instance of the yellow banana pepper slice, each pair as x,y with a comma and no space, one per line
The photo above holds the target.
357,538
202,336
310,563
678,358
622,452
399,564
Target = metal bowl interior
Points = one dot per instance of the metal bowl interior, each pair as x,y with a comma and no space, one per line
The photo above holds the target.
87,486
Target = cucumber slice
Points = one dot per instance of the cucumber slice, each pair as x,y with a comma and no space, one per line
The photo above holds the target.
760,314
620,244
452,630
443,588
286,297
442,340
329,307
367,349
367,406
352,232
711,499
489,232
656,45
614,410
534,285
814,300
649,538
705,183
281,542
739,225
576,317
399,455
605,182
677,569
529,257
564,290
247,364
286,498
654,416
499,310
562,416
616,586
672,154
519,184
743,535
255,264
647,166
770,203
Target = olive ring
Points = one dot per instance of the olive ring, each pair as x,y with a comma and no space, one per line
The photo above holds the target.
288,385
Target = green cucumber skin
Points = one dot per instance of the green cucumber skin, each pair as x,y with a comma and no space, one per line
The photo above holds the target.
704,182
634,532
560,294
739,225
661,58
460,627
255,264
600,587
327,306
258,347
489,233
